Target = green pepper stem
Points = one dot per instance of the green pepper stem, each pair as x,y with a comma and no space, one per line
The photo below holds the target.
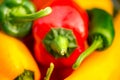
49,72
60,45
96,43
33,16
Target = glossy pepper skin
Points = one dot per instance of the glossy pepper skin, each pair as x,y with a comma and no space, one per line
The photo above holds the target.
102,65
17,16
16,60
66,15
101,33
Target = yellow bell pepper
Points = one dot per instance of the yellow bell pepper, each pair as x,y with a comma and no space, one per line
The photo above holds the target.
15,58
106,5
102,65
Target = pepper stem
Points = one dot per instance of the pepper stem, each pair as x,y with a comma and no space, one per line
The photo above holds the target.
49,72
96,43
60,45
33,16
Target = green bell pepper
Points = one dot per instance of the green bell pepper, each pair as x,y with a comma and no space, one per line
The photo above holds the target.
17,16
101,33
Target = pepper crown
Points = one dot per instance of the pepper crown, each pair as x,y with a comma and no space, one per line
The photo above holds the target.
60,42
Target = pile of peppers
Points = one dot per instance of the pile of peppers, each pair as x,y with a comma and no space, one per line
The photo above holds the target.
60,31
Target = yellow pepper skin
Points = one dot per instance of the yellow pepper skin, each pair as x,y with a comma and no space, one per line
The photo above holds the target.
15,58
104,65
106,5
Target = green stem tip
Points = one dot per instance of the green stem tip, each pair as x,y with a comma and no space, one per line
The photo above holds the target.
49,72
60,45
96,43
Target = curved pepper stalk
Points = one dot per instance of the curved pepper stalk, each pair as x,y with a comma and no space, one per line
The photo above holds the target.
31,17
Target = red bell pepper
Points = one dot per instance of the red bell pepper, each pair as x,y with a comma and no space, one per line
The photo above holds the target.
60,36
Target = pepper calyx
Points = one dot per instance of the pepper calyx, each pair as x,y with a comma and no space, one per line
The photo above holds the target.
26,75
60,42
